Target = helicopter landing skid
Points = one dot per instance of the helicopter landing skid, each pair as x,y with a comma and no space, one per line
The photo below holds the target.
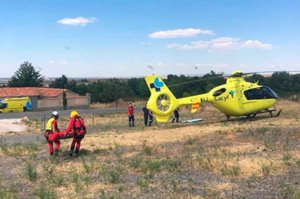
271,111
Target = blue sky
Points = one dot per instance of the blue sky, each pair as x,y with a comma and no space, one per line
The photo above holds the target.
129,38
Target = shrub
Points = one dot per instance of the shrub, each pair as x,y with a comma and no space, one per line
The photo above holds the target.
232,171
190,141
114,176
151,166
148,150
171,165
266,169
143,182
45,193
30,172
135,162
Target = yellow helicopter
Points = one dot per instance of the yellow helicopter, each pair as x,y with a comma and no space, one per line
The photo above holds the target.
235,98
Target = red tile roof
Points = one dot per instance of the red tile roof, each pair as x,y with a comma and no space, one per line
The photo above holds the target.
30,91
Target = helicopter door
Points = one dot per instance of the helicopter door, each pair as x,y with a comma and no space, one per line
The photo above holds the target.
263,92
260,98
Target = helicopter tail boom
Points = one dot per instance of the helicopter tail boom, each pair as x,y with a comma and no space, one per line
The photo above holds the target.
162,102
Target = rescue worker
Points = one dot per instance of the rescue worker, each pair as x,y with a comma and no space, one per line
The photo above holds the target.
52,133
130,111
146,114
150,118
176,115
76,129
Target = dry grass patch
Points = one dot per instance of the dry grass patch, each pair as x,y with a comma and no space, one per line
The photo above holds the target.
213,159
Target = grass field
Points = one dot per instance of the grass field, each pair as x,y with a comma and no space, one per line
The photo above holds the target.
258,158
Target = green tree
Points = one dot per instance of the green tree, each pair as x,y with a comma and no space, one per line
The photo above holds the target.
138,88
95,88
257,78
81,89
26,76
63,82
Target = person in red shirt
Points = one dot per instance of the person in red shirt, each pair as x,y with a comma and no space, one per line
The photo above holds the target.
52,132
130,110
76,129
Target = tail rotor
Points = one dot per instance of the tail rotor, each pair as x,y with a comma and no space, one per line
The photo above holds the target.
163,103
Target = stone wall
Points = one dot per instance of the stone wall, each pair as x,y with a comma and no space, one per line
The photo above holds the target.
50,103
78,101
73,101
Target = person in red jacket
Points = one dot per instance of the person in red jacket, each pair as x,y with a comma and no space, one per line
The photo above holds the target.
52,133
130,111
76,128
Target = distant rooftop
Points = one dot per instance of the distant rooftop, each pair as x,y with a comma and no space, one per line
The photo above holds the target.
30,91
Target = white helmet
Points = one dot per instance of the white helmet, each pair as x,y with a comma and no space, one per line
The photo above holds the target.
55,114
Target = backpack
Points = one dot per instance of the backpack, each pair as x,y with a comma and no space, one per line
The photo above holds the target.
79,128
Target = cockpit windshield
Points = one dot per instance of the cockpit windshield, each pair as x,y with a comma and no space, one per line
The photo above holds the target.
262,92
3,105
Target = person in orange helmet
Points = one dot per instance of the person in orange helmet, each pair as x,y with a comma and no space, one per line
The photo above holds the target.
76,128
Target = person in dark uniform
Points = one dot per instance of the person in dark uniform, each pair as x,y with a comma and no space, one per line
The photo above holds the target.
146,114
176,115
150,118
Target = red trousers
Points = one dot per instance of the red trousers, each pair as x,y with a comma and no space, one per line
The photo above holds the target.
50,145
76,141
53,138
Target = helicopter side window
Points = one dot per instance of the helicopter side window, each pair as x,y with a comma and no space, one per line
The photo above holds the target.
219,92
260,93
269,93
254,94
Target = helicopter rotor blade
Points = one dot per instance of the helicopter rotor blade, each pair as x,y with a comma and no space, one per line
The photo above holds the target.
242,74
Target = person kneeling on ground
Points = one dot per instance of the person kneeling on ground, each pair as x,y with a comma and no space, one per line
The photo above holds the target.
52,133
76,128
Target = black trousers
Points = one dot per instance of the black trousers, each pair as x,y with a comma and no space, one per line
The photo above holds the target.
131,120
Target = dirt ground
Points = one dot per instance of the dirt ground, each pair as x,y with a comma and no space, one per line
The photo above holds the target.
241,158
12,125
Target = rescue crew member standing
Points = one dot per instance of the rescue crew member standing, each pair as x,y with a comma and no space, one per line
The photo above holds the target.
52,133
150,118
130,115
176,115
76,128
146,114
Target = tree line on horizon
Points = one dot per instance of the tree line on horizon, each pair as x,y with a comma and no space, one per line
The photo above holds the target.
110,90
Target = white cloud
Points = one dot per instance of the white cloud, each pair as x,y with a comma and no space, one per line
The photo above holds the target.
224,42
160,64
78,21
179,33
256,44
221,43
191,46
63,62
